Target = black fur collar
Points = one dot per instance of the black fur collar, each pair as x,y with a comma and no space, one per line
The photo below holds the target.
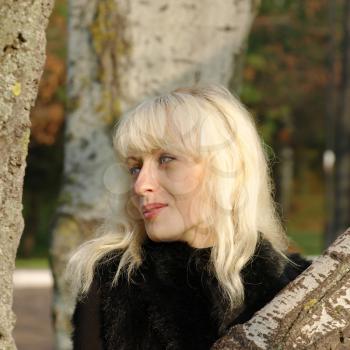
175,302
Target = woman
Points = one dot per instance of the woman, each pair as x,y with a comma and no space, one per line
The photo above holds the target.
195,245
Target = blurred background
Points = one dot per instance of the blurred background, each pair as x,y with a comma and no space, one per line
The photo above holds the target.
290,82
293,81
45,155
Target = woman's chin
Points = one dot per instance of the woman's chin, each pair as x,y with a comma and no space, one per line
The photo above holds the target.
159,237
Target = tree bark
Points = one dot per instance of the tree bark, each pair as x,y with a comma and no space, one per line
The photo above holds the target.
22,56
120,52
312,312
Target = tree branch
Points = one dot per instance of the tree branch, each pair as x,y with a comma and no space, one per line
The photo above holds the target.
312,312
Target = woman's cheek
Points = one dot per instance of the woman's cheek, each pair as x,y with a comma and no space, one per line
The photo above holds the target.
183,182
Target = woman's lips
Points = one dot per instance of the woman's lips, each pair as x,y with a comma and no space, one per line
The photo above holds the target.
149,214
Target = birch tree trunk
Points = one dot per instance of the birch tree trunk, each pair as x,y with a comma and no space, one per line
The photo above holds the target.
22,56
312,312
119,53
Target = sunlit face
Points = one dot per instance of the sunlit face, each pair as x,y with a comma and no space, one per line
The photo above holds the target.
166,192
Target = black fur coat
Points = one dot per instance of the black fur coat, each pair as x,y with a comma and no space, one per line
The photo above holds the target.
174,302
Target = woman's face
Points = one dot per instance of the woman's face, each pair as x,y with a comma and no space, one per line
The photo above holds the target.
166,192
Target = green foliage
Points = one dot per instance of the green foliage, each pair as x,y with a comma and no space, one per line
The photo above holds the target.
257,61
41,185
57,30
285,87
61,94
307,218
286,72
61,9
250,94
309,242
32,263
276,6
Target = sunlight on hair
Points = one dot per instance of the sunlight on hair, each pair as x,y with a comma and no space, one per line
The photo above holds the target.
211,125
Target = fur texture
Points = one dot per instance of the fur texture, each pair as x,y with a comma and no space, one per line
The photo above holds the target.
174,301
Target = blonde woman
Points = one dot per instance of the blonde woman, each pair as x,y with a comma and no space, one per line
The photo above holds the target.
195,245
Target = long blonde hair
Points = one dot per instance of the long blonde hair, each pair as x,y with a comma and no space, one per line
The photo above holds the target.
208,123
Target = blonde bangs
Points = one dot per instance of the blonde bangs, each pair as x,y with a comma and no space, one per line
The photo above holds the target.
172,123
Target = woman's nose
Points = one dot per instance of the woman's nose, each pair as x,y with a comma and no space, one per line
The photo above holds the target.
146,180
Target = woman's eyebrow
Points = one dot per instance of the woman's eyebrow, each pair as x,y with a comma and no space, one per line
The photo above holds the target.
132,158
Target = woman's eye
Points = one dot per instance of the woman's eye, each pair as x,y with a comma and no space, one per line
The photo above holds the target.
165,159
134,170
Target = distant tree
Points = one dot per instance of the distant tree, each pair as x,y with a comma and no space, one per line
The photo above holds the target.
331,112
22,56
341,215
118,54
284,85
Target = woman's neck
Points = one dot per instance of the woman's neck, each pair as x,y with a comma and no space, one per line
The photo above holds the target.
197,239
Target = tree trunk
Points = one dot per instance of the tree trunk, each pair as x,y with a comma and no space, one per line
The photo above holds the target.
22,56
285,167
312,312
119,53
330,114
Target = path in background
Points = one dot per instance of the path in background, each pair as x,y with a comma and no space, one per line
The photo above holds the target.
32,306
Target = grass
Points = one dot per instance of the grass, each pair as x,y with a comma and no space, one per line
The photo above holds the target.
32,263
307,242
306,219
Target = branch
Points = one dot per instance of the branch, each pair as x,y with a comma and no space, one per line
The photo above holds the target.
312,312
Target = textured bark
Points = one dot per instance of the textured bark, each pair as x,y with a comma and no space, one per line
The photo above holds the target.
312,312
22,56
119,53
